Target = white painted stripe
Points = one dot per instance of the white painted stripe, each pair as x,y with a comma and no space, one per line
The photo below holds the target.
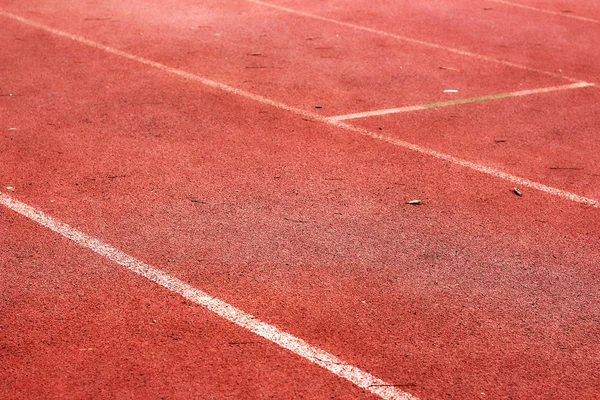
474,166
375,113
456,102
562,14
412,40
296,345
396,142
157,65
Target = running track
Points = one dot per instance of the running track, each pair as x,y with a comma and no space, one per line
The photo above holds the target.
209,199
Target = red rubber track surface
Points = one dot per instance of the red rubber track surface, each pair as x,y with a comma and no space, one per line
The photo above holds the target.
477,293
551,43
299,61
514,136
74,326
588,9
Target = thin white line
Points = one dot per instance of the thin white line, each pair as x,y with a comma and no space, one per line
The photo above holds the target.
296,345
374,113
396,142
162,67
456,102
562,14
413,40
471,165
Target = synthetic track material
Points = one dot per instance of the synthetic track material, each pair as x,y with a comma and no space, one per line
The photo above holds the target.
396,142
298,346
475,293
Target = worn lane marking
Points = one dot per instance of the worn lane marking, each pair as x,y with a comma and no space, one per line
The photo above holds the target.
413,40
316,117
456,102
562,14
273,334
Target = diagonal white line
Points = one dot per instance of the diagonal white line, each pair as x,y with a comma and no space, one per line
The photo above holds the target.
396,142
562,14
157,65
412,40
471,165
225,310
273,334
456,102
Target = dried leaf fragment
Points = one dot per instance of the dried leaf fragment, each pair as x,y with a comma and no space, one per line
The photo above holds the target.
448,68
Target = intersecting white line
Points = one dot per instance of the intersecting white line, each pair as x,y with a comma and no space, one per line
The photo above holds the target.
225,310
456,102
310,115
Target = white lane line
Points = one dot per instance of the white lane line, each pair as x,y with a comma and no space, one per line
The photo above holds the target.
456,102
154,64
396,142
471,165
273,334
413,40
562,14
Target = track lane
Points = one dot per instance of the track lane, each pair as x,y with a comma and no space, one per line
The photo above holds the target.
310,115
74,325
586,12
252,47
212,189
551,138
501,33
